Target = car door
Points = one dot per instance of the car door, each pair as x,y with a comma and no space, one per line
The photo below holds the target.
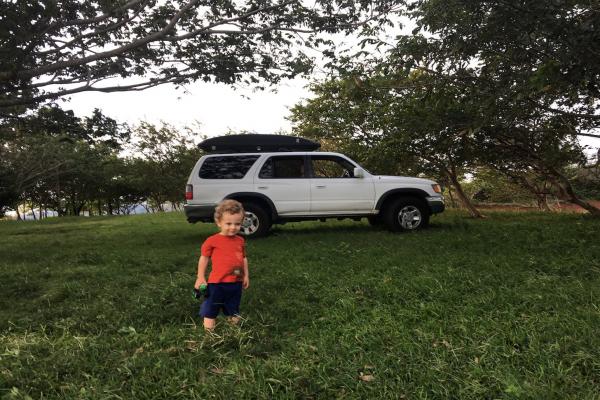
283,179
335,190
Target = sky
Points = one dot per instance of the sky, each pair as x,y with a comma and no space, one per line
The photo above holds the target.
217,108
212,109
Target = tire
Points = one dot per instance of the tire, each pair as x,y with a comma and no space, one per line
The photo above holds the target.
375,220
406,214
256,222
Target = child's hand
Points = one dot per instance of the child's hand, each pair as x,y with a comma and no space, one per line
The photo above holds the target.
246,282
199,281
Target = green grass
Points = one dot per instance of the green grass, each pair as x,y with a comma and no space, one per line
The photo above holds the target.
506,307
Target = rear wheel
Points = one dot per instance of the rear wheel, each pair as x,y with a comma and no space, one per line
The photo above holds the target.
256,222
406,214
374,220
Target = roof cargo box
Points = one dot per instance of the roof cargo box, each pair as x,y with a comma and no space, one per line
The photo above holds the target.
252,143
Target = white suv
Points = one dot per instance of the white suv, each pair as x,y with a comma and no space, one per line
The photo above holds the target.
281,186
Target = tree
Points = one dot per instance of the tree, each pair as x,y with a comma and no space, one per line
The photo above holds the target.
53,121
543,52
518,67
51,49
586,180
404,122
55,159
535,150
119,191
489,185
167,157
344,117
25,160
81,183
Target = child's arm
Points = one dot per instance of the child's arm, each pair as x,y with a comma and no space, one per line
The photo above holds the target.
246,282
201,278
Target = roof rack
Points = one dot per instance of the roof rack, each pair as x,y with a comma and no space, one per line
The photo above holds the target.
252,143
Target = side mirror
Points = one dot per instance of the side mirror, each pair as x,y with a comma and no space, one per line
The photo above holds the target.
359,173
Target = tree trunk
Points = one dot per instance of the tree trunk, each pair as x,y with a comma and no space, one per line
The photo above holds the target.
569,194
542,201
572,198
451,197
77,208
540,194
461,195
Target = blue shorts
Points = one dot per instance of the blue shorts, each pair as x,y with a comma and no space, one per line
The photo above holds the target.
222,296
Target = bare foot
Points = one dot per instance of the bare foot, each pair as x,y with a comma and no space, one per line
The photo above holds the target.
209,324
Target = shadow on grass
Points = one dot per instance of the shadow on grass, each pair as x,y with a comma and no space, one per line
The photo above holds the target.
296,229
300,228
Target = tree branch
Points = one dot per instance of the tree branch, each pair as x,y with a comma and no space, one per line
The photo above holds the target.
589,134
108,28
100,18
594,117
142,37
229,21
108,54
88,87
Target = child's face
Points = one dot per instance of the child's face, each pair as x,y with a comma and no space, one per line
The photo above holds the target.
230,224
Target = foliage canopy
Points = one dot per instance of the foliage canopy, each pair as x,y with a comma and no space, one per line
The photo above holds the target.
540,52
52,159
506,84
51,49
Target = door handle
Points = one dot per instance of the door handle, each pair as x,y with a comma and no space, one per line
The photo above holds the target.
263,187
321,186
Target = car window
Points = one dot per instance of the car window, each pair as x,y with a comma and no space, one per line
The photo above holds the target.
283,167
331,167
227,167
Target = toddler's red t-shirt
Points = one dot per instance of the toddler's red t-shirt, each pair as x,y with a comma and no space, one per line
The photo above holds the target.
226,254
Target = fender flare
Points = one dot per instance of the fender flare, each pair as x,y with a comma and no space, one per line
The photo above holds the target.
403,191
250,196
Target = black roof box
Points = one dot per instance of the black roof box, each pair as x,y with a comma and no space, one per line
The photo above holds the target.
251,143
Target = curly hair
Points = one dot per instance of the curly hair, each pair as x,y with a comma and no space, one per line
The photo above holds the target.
228,206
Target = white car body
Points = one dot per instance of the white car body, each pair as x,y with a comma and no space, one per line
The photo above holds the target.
356,194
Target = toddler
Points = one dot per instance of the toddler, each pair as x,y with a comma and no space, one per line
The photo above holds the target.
229,266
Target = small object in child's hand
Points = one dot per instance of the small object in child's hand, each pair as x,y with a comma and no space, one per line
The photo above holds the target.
199,293
237,272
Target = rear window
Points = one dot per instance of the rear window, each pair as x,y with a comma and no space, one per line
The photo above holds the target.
226,167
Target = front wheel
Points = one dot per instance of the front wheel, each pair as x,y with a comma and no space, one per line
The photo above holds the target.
406,214
256,222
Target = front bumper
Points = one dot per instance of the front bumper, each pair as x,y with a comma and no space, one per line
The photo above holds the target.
436,204
199,212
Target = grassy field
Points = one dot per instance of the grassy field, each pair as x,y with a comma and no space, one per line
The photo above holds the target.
506,307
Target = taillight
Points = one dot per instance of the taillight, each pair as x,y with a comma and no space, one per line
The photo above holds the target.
437,188
189,192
